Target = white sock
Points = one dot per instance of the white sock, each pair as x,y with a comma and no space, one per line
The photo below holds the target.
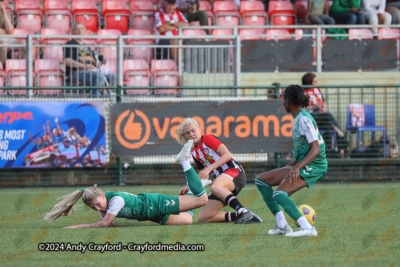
186,165
280,220
241,210
304,223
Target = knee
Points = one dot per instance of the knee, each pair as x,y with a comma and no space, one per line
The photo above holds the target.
352,19
203,199
203,218
215,189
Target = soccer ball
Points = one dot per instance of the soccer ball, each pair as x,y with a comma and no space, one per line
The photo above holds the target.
308,212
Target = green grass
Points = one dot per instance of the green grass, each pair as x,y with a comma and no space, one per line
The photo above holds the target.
357,225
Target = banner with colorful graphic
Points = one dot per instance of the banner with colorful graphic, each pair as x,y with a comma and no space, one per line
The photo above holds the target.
244,127
52,134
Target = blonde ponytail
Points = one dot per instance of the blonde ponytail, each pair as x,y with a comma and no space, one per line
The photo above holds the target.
65,206
180,136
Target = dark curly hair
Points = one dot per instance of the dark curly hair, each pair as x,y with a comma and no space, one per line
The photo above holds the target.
296,96
308,78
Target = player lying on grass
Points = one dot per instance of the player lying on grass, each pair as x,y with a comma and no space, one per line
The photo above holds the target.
158,208
309,166
211,155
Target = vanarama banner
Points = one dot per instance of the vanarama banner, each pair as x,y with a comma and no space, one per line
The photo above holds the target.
244,127
52,134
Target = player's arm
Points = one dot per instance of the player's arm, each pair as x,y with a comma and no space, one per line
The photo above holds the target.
107,221
292,163
225,157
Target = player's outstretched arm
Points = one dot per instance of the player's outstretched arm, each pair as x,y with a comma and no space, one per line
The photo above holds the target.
108,221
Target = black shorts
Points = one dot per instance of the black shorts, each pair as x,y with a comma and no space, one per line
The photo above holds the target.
239,181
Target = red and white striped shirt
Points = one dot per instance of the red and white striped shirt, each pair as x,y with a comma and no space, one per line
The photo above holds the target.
316,97
206,154
161,17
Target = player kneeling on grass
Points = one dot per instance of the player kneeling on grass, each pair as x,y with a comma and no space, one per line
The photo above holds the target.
211,155
309,166
158,208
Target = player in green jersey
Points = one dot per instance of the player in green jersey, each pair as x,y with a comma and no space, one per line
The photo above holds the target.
153,207
309,166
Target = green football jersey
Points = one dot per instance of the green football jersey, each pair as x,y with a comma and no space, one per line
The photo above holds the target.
143,207
305,131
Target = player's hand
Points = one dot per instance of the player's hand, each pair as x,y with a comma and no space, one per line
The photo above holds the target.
203,174
294,175
71,227
381,18
184,191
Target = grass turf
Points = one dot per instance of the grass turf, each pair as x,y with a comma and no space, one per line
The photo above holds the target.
357,224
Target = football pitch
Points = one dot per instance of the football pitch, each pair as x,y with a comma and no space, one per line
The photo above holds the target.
356,223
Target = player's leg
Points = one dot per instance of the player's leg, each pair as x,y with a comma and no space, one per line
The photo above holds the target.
282,197
197,196
264,183
181,218
211,212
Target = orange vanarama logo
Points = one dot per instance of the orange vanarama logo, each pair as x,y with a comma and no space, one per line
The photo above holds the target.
132,136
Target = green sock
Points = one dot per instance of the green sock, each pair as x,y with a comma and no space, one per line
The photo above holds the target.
194,183
266,192
282,198
190,211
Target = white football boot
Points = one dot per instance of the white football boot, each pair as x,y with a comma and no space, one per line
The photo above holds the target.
303,232
206,182
279,231
185,153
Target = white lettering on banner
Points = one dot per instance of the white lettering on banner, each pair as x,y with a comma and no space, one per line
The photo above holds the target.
4,144
1,134
14,134
8,155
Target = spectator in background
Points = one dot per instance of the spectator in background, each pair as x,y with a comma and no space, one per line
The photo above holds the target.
318,109
6,27
318,13
81,64
347,12
393,8
375,14
167,22
190,9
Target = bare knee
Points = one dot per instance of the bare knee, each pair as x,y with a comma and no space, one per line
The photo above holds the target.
204,218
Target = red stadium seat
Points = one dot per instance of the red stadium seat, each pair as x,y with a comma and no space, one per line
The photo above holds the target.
281,13
253,13
53,48
115,15
16,75
142,52
29,14
85,11
90,41
57,14
136,73
49,74
359,34
165,74
221,32
226,13
34,40
300,8
205,6
245,34
277,34
142,14
2,80
109,46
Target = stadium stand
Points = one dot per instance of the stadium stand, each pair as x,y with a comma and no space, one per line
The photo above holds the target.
165,74
16,75
108,49
360,34
300,8
136,73
57,15
277,34
246,34
142,52
85,11
27,32
49,73
142,15
29,14
281,13
2,79
226,13
54,50
253,13
115,15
